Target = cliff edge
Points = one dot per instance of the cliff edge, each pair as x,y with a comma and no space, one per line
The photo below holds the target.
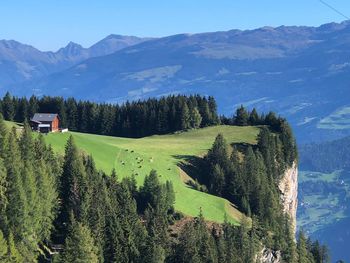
288,186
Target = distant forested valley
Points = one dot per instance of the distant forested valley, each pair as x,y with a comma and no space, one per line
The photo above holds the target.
324,193
326,157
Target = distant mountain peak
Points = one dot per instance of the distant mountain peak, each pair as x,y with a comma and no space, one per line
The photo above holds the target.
72,44
71,49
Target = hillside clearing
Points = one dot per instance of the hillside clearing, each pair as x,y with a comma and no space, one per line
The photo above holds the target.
162,153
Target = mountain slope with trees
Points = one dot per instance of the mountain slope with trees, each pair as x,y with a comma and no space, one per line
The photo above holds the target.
103,218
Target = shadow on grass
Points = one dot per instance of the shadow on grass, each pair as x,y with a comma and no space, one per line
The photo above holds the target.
193,166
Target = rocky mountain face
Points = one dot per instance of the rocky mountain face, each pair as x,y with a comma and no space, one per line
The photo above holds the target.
269,256
289,197
20,63
300,72
288,186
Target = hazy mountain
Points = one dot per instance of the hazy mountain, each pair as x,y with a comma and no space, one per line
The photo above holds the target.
20,62
301,72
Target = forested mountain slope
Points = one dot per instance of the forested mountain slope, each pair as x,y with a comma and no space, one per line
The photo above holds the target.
215,196
325,193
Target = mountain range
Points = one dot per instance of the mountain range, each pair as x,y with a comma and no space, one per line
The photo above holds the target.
301,72
20,62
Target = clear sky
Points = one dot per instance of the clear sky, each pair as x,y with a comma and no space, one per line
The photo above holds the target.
51,24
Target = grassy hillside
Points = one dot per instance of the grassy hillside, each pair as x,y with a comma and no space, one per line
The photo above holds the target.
162,153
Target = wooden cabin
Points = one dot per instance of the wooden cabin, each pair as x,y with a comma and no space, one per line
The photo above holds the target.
45,122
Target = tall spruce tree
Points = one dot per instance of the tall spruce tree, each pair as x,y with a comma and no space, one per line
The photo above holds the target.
8,109
195,118
79,246
3,195
3,247
185,117
73,186
17,212
241,116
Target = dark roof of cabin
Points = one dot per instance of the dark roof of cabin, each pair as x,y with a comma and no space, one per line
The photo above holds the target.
38,117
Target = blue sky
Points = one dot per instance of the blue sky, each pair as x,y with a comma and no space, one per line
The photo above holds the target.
51,24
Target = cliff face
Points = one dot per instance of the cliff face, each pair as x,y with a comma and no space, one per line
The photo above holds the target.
269,256
289,192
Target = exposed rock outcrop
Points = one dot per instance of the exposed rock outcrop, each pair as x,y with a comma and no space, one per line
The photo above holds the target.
270,256
289,193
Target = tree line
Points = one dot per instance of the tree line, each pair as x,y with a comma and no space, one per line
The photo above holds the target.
131,119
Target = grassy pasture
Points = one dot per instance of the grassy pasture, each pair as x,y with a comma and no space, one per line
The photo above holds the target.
162,153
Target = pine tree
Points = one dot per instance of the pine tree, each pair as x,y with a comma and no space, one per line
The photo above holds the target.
185,117
48,196
13,255
3,196
73,185
8,107
218,154
195,118
79,246
241,116
217,180
254,118
155,253
3,247
204,111
29,180
304,255
33,106
3,137
72,114
213,111
17,212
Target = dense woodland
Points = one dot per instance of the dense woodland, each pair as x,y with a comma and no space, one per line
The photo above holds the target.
326,157
61,208
132,119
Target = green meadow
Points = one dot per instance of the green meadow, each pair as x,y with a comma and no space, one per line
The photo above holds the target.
163,153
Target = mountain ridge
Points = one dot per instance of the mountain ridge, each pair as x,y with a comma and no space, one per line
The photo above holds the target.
299,71
21,62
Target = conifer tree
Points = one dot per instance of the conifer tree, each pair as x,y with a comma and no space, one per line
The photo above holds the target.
3,247
185,117
3,195
17,212
217,180
8,107
33,106
48,196
195,118
213,110
73,184
254,118
241,116
218,154
304,255
79,246
72,114
3,137
13,255
29,181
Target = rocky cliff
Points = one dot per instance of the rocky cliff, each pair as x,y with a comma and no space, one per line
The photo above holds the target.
269,256
289,192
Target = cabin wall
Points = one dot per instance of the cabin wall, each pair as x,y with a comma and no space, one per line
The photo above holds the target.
55,125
